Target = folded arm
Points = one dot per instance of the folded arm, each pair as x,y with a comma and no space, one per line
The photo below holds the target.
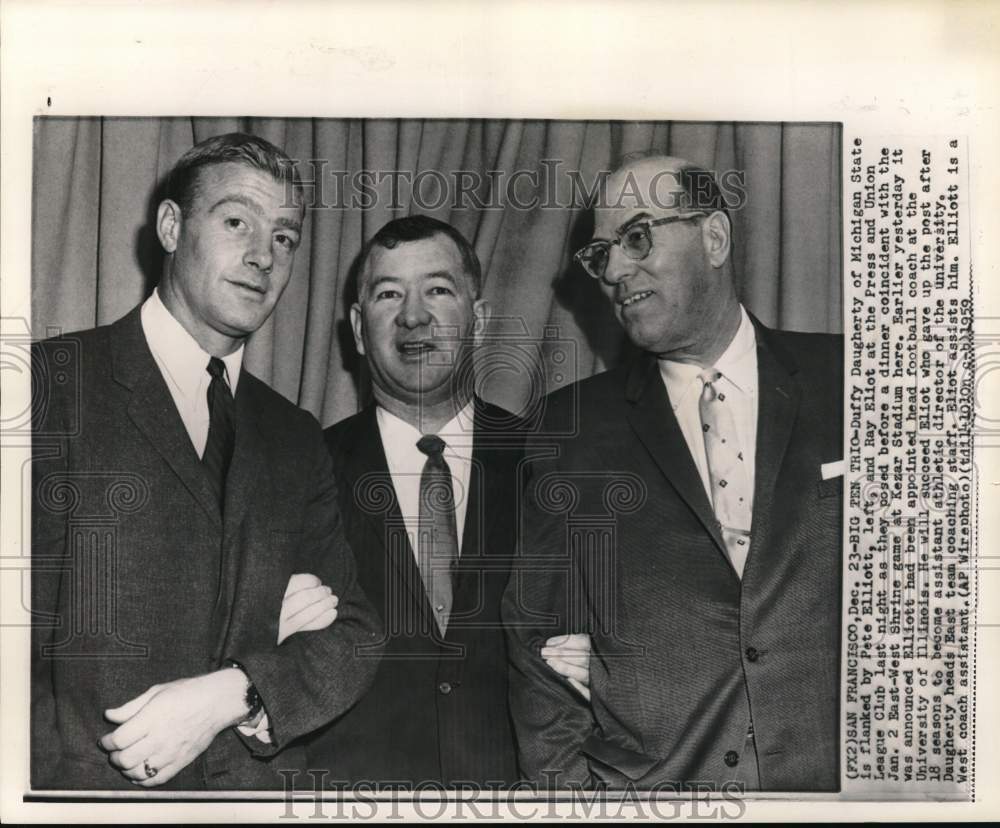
552,718
318,674
314,675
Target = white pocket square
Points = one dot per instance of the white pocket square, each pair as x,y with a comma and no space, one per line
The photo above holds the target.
834,469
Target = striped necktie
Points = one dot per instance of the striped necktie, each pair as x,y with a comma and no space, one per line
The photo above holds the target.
437,535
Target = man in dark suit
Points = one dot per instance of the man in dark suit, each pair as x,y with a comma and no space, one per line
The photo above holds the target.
691,524
427,483
174,497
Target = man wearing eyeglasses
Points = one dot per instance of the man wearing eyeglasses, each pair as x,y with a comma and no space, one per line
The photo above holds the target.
713,602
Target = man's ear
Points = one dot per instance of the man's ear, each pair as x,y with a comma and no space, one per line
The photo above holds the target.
717,238
481,312
357,327
168,224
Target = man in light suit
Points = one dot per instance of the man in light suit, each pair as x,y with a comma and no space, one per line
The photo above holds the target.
427,478
175,496
710,586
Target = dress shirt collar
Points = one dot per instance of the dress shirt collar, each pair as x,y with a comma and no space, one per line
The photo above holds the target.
177,351
737,364
399,438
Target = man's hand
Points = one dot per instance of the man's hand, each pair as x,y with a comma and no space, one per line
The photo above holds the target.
170,725
569,656
307,605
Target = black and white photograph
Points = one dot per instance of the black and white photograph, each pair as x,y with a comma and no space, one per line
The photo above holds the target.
418,457
645,586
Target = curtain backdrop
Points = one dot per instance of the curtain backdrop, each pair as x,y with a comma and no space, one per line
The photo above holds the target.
95,253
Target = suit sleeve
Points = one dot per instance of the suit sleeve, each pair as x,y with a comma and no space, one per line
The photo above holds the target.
543,599
314,677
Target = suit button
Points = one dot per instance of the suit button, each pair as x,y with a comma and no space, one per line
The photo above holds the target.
732,758
444,688
752,654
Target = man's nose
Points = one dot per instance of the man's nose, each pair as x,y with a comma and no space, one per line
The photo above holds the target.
413,313
259,255
619,266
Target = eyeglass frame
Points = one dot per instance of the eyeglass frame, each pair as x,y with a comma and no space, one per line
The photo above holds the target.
647,224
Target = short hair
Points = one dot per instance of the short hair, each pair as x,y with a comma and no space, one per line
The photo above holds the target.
700,187
233,147
415,228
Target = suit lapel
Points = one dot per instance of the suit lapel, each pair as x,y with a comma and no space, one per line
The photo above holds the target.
491,494
779,397
482,511
249,453
653,420
152,409
246,470
366,467
482,477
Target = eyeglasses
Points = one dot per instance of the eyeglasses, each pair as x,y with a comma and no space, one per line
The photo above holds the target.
635,240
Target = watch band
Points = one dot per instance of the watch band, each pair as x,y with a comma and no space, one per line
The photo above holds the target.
251,698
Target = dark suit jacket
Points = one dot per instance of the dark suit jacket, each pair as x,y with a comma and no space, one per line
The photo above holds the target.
137,580
621,540
438,709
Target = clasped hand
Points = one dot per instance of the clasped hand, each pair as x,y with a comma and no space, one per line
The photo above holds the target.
167,727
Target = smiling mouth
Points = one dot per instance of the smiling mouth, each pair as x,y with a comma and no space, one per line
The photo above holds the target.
258,289
415,348
635,297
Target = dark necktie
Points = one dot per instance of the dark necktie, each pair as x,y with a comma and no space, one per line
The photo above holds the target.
221,429
437,541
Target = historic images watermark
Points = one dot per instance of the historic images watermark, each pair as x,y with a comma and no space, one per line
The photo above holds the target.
549,186
313,795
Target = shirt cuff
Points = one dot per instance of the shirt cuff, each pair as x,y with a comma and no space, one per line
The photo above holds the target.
260,731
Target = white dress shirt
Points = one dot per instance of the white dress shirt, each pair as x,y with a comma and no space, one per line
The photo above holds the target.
738,366
184,366
406,464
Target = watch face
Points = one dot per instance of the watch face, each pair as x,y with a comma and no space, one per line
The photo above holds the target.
252,699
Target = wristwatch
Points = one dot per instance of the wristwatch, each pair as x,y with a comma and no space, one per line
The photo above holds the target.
251,698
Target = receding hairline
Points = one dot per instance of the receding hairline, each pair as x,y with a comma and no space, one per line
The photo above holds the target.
655,162
640,177
661,160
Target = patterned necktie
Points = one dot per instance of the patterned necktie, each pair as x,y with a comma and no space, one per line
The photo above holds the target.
221,428
437,537
727,473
